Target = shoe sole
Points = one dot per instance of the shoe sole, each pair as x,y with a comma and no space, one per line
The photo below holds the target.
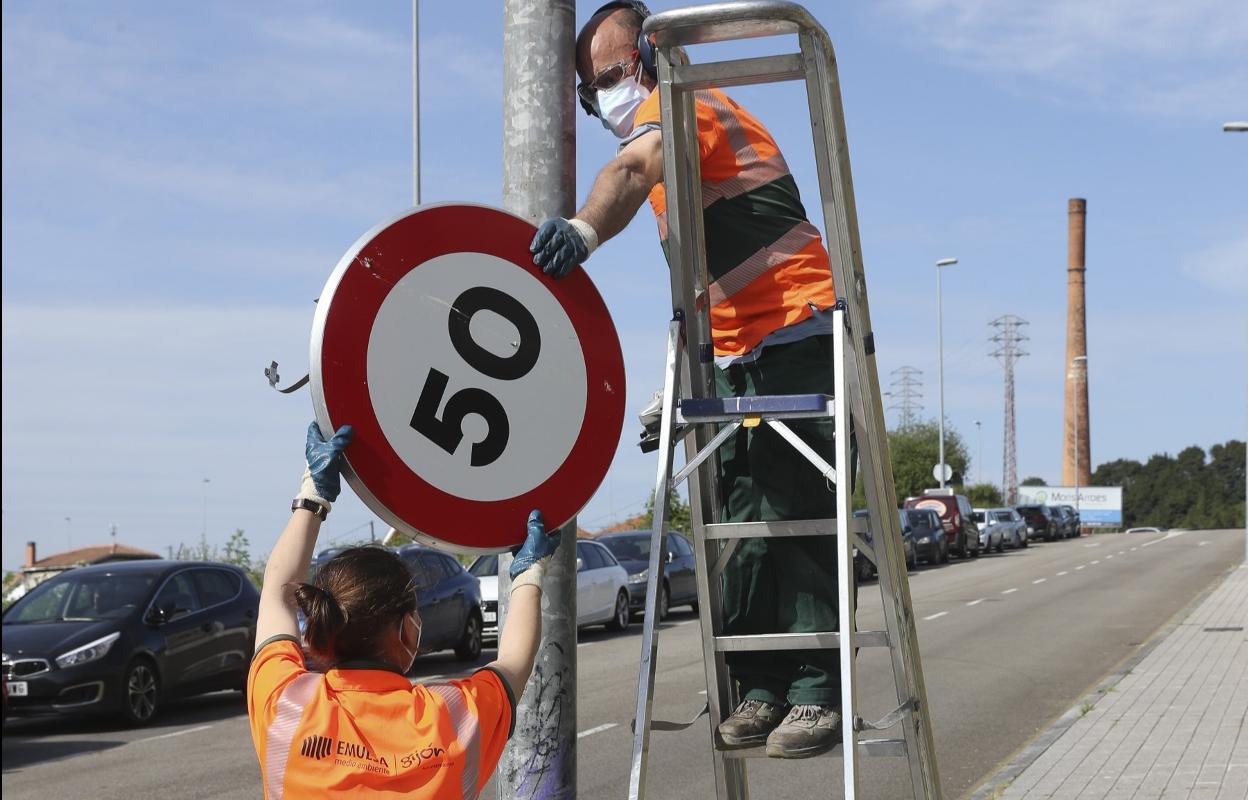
734,743
776,751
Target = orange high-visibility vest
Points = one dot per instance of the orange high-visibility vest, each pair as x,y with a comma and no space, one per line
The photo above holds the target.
362,731
766,262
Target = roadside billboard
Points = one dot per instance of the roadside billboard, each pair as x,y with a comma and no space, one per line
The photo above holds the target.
1099,506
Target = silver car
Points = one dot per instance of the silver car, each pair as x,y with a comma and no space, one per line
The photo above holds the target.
1013,526
991,537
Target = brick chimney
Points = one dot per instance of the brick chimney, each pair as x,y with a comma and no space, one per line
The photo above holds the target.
30,554
1076,448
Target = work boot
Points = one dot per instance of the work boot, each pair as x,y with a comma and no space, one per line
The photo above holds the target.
750,723
807,731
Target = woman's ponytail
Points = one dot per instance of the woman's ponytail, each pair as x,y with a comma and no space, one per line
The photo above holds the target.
325,617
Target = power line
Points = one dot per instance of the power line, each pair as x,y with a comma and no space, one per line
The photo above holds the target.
1008,340
907,394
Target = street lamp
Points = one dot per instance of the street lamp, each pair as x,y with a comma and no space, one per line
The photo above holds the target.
940,346
205,482
979,438
1235,127
1079,366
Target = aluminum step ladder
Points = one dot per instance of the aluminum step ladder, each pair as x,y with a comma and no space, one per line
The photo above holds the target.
690,412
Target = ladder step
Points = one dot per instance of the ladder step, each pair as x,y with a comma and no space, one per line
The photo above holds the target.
823,640
777,406
866,747
795,527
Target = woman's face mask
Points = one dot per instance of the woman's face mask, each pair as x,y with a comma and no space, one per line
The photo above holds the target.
618,105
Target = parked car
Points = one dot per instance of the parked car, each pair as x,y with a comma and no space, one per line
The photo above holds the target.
632,550
1074,515
1065,523
1040,523
991,537
923,527
449,600
955,515
602,596
124,637
1013,526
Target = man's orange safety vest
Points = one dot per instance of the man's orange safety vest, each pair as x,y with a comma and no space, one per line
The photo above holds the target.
367,730
767,263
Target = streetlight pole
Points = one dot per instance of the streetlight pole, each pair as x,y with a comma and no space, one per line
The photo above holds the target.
940,347
979,446
1078,365
1240,127
204,534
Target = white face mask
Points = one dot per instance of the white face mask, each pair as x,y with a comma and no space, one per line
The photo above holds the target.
618,105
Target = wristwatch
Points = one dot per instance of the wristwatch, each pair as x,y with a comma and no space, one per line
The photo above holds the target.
309,505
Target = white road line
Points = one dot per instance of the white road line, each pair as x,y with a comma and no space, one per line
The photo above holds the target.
686,622
596,729
975,602
1122,552
1063,572
1081,566
1010,591
1133,549
1096,562
1095,544
1202,544
1108,557
1039,580
702,692
936,615
171,735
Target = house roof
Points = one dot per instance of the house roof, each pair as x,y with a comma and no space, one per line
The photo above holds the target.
94,554
638,522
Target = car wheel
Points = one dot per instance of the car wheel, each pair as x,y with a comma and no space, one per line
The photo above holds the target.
1001,546
469,647
621,618
665,608
1024,542
694,606
141,693
942,556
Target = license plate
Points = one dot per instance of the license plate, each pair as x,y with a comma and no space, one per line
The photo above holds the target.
16,688
490,616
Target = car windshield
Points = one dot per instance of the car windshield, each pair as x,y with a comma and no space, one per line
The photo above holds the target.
978,516
485,567
628,548
81,597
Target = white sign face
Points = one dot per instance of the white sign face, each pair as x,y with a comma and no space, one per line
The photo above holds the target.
493,367
1098,505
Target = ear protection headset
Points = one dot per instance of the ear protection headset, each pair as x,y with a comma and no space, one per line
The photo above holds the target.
645,48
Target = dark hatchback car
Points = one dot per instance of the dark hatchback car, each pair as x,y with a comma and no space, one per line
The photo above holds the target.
632,550
923,528
122,638
1063,521
449,599
1040,523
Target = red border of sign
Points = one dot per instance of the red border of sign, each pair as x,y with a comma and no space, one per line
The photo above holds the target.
344,321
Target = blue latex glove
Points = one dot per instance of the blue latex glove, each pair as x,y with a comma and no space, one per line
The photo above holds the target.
558,247
537,545
325,460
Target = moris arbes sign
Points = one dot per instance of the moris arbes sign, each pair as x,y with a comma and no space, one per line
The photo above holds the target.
1099,506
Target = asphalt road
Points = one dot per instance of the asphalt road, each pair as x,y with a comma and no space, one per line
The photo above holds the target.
1009,642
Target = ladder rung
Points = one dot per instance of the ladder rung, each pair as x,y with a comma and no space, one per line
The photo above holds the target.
740,72
776,406
793,527
822,640
867,747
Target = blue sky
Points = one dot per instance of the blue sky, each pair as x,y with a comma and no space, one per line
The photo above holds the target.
179,180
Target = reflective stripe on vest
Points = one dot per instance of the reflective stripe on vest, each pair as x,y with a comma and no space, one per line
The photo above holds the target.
779,251
466,731
290,705
754,172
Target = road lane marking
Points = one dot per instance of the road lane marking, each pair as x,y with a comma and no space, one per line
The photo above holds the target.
937,615
1122,552
1096,562
1169,535
1081,566
975,602
1010,591
1202,544
1039,580
1063,572
1133,549
1108,557
171,735
686,622
1096,544
596,729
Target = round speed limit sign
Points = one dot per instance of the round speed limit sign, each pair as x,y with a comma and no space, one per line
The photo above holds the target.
479,388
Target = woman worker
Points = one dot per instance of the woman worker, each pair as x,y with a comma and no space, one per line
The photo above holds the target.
362,728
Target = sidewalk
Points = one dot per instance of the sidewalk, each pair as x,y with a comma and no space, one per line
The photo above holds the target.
1174,726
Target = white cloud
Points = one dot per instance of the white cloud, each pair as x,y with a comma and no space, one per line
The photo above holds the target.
1155,56
1222,267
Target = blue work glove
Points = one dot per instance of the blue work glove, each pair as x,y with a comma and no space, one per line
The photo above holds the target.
529,564
322,478
561,244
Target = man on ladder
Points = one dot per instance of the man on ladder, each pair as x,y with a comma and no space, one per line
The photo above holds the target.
771,300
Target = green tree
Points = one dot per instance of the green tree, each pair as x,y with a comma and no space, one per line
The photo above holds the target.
237,550
1034,481
1188,490
913,452
678,514
983,495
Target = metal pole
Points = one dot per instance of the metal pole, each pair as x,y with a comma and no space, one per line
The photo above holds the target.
1080,366
539,181
940,346
979,439
415,102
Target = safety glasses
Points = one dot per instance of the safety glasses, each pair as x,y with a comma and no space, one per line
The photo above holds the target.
604,80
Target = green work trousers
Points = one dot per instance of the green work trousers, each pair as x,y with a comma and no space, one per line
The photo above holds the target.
781,585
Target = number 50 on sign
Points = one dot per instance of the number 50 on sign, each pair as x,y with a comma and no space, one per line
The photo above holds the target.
478,387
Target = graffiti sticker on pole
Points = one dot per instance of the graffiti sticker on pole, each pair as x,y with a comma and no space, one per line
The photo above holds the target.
479,388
